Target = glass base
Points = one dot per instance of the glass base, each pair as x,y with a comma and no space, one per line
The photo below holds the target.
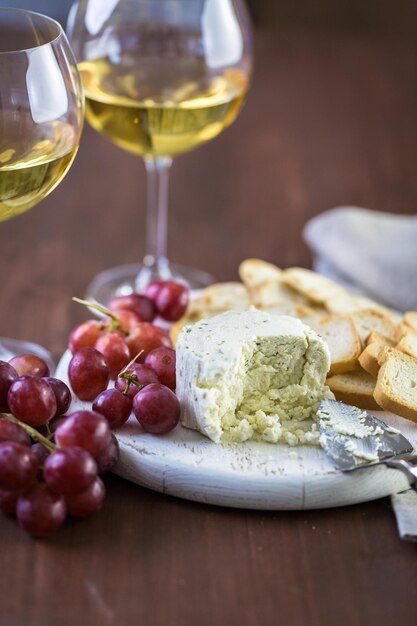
125,279
13,347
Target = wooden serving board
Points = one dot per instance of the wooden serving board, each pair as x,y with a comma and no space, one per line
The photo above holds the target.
252,475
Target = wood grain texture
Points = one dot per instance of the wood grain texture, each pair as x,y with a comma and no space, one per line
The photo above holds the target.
330,120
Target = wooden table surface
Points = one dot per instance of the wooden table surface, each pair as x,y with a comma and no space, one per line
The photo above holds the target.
330,120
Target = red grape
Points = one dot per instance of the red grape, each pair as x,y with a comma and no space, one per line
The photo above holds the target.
55,422
171,300
62,395
29,364
87,502
40,452
114,347
32,400
109,456
85,335
18,466
146,337
114,406
7,376
10,431
157,409
70,471
88,373
40,510
86,429
153,289
51,426
140,304
126,319
162,362
135,377
8,501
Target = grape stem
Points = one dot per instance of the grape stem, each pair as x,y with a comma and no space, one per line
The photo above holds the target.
131,379
131,363
32,432
114,324
96,307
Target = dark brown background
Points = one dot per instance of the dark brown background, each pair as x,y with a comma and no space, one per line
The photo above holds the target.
331,119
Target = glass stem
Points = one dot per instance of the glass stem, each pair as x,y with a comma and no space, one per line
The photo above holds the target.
156,258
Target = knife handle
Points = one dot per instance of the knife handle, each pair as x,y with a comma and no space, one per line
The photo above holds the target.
407,463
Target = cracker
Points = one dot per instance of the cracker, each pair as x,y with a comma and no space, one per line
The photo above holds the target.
311,285
368,320
347,303
254,272
225,296
274,293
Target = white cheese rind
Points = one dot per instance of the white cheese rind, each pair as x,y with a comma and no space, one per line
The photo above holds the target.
250,374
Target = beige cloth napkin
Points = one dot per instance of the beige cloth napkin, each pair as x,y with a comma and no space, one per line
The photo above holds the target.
405,509
370,252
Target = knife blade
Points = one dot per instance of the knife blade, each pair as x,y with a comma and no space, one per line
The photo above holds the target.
353,438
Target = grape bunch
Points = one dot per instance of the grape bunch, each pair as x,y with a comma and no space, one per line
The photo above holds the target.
50,462
128,348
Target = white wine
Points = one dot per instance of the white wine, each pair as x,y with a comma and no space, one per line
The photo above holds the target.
32,163
163,116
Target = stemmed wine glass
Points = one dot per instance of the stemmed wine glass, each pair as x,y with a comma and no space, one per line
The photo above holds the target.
161,78
41,115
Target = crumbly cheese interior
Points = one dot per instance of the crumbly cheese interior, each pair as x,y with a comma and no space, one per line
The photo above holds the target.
270,389
271,385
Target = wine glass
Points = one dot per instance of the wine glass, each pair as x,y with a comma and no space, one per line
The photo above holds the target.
161,78
41,115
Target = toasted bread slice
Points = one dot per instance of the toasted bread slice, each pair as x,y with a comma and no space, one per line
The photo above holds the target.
369,320
343,341
403,329
410,318
263,282
292,309
225,296
347,303
368,359
354,388
382,356
275,293
396,386
254,272
408,344
314,317
311,285
375,336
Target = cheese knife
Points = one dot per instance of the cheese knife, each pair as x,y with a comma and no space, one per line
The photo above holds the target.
339,426
377,443
353,438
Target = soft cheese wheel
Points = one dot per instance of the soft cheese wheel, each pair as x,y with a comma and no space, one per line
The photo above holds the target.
249,374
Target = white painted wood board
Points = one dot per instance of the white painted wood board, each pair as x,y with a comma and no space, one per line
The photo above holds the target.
251,475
